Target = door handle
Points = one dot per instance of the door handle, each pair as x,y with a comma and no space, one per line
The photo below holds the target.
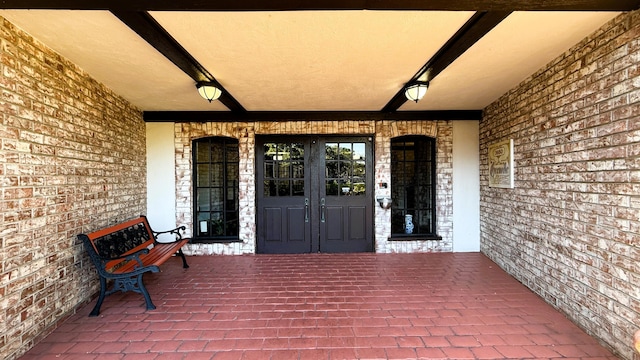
306,210
322,210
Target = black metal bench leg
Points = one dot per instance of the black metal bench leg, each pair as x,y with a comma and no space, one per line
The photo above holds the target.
103,291
184,259
145,293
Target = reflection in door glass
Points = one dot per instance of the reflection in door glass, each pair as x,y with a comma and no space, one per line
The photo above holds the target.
359,152
283,169
283,188
345,151
359,168
298,188
331,151
345,169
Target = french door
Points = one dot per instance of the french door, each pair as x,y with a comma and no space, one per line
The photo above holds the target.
314,194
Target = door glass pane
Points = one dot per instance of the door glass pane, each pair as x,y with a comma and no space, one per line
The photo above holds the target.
270,188
269,170
297,151
284,188
345,151
331,187
332,170
280,169
282,149
359,186
298,188
345,169
283,170
359,168
297,170
359,152
269,151
345,187
331,151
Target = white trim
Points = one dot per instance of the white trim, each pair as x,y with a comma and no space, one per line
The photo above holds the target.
466,186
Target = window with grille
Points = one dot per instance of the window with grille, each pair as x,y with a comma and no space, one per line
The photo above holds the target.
413,186
216,189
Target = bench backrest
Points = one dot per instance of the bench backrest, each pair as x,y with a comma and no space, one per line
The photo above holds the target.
122,239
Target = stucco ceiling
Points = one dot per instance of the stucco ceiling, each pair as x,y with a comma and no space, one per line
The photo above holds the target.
321,60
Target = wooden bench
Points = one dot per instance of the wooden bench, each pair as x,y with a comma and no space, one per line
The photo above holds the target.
126,251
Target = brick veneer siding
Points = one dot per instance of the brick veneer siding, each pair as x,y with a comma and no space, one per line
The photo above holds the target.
569,229
185,133
72,159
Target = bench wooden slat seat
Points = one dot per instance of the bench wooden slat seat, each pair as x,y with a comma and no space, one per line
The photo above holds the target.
126,251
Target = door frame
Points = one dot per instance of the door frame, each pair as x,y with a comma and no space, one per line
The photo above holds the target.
313,193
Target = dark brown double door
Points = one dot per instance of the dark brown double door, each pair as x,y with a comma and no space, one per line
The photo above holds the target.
314,194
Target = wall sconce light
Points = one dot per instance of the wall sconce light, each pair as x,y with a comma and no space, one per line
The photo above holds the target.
208,90
416,90
384,202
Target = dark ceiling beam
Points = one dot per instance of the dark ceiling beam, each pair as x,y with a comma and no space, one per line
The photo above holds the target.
149,29
250,116
280,5
472,31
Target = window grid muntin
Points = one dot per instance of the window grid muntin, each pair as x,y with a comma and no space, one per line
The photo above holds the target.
216,188
283,169
413,174
345,169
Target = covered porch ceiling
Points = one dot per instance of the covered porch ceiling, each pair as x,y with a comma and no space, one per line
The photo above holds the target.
311,59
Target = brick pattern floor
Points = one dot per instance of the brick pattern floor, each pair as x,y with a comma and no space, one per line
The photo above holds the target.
321,306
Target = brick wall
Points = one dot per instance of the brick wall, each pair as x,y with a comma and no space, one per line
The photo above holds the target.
569,229
72,158
383,130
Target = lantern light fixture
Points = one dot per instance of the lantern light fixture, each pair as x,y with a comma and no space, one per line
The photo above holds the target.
416,90
208,90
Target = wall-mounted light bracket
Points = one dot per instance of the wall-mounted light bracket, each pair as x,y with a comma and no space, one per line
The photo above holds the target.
384,202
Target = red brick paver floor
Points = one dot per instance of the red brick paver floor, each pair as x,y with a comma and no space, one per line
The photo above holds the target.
322,306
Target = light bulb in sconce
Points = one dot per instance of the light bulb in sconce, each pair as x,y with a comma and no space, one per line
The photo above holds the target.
208,90
416,90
